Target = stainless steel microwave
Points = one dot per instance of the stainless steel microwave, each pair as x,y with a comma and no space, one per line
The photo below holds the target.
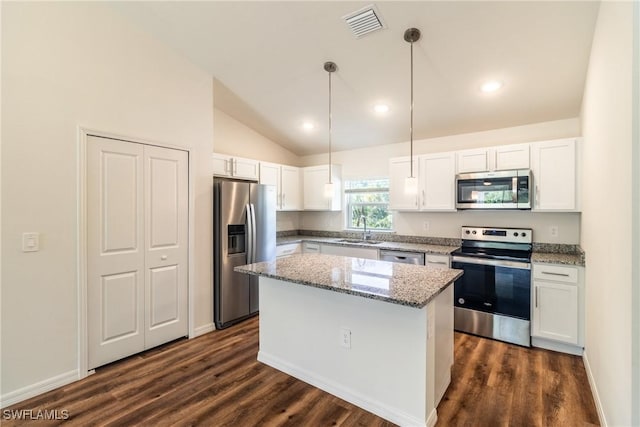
494,190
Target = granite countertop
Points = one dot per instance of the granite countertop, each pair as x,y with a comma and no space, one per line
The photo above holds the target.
398,246
575,259
404,284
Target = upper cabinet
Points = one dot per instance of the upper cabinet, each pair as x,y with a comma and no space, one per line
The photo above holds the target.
509,157
314,179
476,160
287,180
235,167
504,157
437,186
399,170
554,166
436,182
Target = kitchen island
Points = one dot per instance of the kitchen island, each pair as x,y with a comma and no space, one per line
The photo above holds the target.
374,333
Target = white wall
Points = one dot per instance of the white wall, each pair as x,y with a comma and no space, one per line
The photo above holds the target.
374,161
606,218
67,65
235,138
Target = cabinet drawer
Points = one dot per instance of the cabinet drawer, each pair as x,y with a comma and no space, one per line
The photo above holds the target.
309,247
288,249
437,261
555,273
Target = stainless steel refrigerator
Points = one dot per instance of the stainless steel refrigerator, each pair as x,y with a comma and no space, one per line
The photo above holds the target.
244,227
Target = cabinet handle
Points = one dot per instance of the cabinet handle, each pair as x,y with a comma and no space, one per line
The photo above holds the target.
234,166
423,198
438,262
536,295
283,199
226,166
537,197
555,274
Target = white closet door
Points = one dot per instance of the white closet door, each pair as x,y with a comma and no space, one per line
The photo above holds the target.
115,242
166,241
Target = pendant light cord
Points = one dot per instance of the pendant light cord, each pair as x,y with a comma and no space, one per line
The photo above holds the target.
411,125
330,182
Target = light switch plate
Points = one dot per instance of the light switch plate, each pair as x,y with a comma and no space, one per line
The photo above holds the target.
30,242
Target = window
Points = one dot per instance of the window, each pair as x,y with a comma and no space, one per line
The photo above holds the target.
368,198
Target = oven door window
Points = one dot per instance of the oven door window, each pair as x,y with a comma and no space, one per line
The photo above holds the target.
487,191
501,290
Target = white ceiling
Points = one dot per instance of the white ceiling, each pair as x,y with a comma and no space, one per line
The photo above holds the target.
267,58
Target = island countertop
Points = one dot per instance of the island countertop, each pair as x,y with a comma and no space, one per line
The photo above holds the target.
404,284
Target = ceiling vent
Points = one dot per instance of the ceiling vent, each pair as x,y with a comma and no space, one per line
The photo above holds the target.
364,21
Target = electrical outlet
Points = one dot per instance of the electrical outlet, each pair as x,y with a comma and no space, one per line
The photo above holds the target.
425,226
554,230
345,337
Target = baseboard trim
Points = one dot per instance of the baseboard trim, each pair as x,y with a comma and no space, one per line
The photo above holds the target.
594,390
40,387
204,329
388,413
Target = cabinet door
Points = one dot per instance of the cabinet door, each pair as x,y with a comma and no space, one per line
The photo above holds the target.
221,164
245,168
399,170
270,175
554,175
555,312
437,182
315,178
310,248
473,160
510,157
291,194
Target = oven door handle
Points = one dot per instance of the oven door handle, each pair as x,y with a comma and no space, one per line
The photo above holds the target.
493,262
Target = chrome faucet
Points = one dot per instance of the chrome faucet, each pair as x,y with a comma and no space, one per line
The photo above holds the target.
366,235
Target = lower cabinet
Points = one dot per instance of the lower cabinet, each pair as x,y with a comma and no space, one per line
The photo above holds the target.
557,308
310,248
436,261
286,250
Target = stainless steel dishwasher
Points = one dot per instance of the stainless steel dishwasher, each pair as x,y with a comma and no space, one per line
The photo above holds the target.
402,257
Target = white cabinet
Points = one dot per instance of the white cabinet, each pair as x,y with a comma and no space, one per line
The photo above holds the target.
310,248
436,261
349,251
315,178
557,307
291,188
437,182
509,157
399,170
554,167
286,250
287,180
476,160
235,167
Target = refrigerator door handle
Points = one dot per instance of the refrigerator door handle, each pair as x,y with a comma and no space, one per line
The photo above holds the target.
254,234
249,233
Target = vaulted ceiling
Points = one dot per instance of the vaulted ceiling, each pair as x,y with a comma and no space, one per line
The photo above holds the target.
267,60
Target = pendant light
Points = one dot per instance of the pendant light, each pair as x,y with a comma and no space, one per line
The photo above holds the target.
411,182
329,67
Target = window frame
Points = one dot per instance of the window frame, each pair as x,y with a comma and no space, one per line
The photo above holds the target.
350,206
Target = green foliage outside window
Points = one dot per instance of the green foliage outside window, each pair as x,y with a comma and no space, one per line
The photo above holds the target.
369,199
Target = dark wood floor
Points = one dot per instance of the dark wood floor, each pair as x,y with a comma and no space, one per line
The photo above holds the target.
215,380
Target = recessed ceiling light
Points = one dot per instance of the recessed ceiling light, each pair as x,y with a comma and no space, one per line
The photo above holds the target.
491,86
381,108
308,126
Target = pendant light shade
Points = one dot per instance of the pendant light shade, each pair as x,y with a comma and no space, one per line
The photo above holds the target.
329,67
411,35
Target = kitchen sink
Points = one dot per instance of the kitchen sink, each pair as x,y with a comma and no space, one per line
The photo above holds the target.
368,242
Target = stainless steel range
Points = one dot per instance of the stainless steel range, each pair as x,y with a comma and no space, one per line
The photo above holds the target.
493,296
